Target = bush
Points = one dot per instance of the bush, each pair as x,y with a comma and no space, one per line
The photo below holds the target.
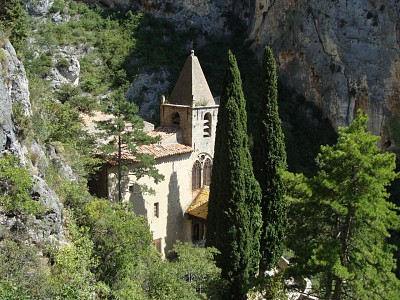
15,188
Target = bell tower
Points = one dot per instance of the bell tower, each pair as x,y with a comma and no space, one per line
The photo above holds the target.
192,108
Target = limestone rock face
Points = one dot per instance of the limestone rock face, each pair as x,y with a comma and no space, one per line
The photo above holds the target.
38,7
340,54
67,70
14,89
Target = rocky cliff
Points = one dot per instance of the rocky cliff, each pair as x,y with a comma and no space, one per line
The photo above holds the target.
14,92
340,54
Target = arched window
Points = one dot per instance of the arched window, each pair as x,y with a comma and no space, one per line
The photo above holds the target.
196,175
176,119
207,125
207,170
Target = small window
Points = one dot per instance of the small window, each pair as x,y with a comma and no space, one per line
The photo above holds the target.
207,125
157,244
131,188
156,210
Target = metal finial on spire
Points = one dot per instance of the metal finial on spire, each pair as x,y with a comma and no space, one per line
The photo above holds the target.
192,52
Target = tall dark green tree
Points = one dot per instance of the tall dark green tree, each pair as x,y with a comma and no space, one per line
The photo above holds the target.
234,214
269,159
341,219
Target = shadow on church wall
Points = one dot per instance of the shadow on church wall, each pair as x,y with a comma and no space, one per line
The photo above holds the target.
138,203
174,213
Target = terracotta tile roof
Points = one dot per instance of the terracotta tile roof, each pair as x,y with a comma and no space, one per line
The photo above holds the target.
199,206
164,131
160,150
155,150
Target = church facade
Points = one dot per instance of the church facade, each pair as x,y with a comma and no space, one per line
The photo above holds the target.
184,155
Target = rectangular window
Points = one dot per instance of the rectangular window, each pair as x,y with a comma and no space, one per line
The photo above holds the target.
157,244
156,210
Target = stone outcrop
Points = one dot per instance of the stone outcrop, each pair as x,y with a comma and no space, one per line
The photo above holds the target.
46,226
66,70
38,7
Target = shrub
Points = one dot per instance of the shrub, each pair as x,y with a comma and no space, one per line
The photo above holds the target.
15,188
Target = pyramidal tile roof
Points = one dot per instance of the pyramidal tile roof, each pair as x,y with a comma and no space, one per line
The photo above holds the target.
192,85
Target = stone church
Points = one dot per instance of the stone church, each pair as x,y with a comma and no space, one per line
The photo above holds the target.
184,156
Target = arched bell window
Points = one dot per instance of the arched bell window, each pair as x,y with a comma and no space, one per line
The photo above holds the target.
176,119
207,170
196,176
207,125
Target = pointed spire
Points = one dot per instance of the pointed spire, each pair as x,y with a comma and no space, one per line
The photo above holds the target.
192,87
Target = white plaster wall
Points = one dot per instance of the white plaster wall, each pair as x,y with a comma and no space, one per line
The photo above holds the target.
174,195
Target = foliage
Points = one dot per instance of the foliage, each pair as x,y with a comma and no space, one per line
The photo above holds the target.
271,287
71,274
198,267
269,160
341,218
121,240
234,214
14,18
15,188
24,275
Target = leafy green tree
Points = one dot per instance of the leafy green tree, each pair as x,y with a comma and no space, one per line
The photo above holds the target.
122,241
71,271
341,219
269,159
234,214
23,275
191,274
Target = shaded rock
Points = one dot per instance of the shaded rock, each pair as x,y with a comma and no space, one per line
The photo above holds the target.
342,55
145,91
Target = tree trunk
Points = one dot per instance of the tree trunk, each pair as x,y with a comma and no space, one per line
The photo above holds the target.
336,292
119,169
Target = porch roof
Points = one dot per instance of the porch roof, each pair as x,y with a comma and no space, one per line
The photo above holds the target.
199,207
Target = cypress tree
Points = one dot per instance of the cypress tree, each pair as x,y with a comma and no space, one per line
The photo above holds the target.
234,214
269,159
